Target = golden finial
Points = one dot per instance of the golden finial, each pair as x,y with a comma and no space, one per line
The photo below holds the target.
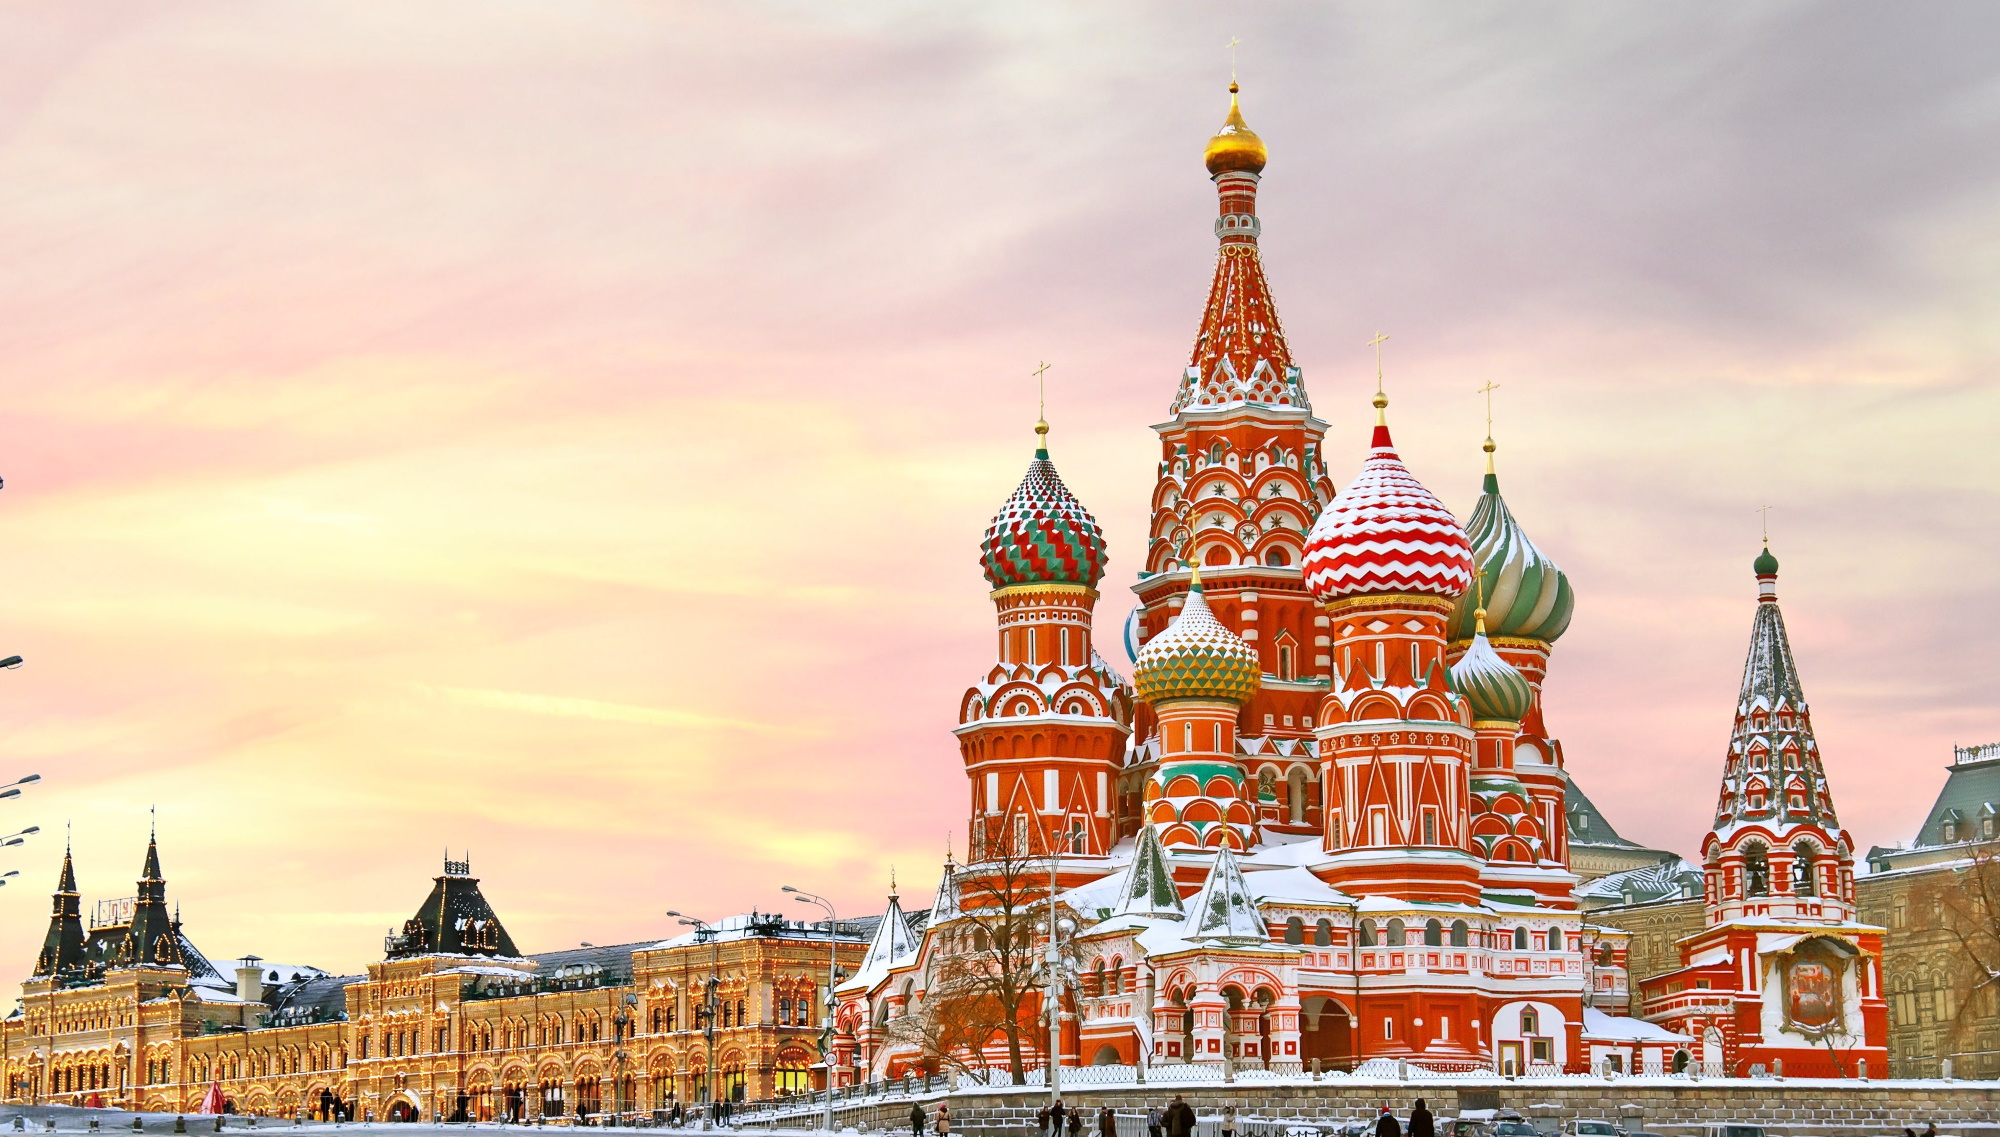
1479,591
1381,400
1041,410
1488,390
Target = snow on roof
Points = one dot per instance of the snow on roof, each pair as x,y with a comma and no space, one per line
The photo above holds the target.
1598,1025
1223,909
1295,885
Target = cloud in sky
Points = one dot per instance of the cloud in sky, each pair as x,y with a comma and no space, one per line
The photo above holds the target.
564,430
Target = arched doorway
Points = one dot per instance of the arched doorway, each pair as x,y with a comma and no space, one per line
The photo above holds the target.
401,1111
1325,1033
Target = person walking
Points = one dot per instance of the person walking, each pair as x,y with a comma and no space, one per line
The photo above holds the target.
1076,1122
1180,1118
943,1120
1107,1122
1042,1121
1385,1124
1420,1121
916,1119
1228,1121
1155,1122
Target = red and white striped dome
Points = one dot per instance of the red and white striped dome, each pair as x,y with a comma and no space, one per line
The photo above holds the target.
1386,533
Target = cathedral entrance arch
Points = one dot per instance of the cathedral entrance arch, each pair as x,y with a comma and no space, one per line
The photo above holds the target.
1327,1033
402,1110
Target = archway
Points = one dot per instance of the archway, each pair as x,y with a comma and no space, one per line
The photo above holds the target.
402,1111
1107,1055
1325,1033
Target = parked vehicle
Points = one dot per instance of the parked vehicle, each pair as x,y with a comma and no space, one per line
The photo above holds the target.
1465,1127
1727,1129
1514,1126
1592,1127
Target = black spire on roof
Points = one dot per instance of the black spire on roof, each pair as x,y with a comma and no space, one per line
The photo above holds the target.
153,941
454,920
62,948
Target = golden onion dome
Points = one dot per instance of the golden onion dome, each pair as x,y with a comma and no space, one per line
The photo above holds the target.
1197,657
1235,146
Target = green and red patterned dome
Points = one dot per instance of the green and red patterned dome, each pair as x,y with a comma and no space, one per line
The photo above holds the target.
1196,658
1527,596
1042,534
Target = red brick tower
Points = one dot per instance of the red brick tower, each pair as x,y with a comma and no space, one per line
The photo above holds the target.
1043,735
1388,560
1241,478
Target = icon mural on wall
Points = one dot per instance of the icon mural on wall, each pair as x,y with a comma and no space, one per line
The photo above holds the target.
1812,988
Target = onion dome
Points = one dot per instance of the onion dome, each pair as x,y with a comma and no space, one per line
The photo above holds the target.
1386,533
1196,658
1494,687
1235,146
1042,534
1765,564
1527,596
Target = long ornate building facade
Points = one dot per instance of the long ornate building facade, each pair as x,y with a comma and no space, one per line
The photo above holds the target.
453,1023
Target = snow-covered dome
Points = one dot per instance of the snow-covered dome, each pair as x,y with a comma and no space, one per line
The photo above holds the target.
1527,596
1196,658
1386,533
1494,687
1042,534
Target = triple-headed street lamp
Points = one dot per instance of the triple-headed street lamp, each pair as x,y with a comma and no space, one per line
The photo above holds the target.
706,1013
832,977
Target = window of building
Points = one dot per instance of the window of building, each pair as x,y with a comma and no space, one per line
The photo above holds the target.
1542,1050
1804,871
1460,933
1285,668
1555,939
1531,1023
1430,826
1756,872
1295,931
1388,1028
1433,933
1397,935
1323,934
1367,936
1520,939
1076,836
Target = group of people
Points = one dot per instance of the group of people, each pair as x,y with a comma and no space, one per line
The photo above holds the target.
1422,1123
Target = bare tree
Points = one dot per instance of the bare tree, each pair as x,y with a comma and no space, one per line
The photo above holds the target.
987,972
1967,903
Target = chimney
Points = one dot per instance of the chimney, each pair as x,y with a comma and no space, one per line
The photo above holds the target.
250,979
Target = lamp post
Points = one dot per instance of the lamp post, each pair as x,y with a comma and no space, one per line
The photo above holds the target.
621,1029
13,789
1052,966
707,1012
13,839
832,969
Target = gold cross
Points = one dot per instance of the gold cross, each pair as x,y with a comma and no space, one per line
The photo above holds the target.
1041,393
1376,343
1766,511
1488,390
1233,41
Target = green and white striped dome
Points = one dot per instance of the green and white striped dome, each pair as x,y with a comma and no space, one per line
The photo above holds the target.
1494,687
1527,596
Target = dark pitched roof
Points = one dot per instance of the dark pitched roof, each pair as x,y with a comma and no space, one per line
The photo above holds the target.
1587,825
454,920
1971,791
322,998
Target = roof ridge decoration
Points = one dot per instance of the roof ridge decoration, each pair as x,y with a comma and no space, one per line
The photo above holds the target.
944,906
1771,741
1240,354
1386,533
1043,534
1223,909
892,941
1149,890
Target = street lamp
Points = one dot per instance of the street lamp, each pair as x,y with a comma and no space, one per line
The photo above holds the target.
20,838
9,874
13,789
832,969
708,1010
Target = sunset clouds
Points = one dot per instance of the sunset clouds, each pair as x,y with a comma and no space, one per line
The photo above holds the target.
563,431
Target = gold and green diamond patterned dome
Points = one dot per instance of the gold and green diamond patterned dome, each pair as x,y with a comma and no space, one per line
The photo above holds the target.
1196,658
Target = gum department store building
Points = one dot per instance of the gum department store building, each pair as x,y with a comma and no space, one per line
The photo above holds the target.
1324,822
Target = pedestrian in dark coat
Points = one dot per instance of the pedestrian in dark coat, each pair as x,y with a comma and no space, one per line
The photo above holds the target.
1076,1123
917,1120
1385,1125
1042,1121
1107,1122
1420,1121
1180,1118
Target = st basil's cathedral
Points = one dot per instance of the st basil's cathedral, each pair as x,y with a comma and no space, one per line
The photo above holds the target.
1325,822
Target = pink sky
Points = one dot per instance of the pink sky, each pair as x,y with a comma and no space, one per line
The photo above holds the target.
565,430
